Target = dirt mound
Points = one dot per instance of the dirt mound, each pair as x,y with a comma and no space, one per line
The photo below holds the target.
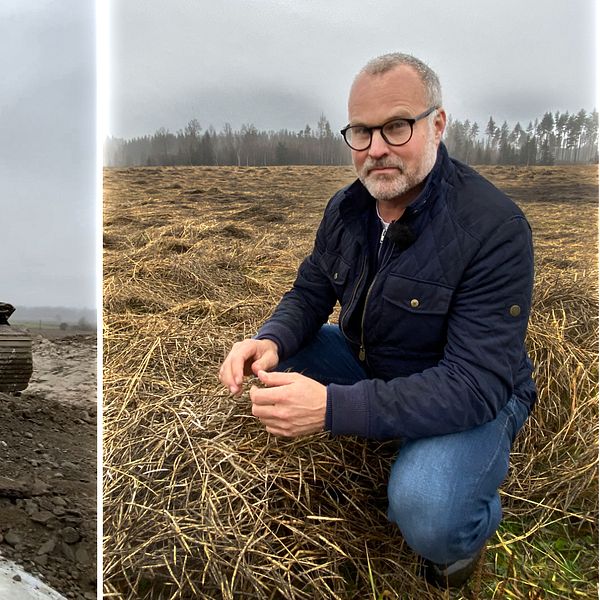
48,454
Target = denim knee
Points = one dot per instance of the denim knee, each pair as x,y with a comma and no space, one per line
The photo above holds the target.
443,491
442,527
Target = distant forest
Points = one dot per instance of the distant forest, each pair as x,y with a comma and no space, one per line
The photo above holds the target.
559,138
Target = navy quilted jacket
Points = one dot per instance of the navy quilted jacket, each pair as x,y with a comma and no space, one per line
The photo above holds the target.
442,331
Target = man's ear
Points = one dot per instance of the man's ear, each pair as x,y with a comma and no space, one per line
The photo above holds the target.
439,124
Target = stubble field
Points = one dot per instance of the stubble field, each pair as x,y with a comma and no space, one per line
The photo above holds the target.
200,502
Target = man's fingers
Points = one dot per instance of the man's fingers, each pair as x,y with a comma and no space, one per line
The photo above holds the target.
273,393
279,432
277,378
266,361
260,365
237,368
232,371
247,357
266,396
227,376
293,405
267,413
270,418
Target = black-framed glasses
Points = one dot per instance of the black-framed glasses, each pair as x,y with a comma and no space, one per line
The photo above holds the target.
395,132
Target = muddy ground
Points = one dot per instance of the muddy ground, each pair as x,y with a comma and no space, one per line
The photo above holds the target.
48,456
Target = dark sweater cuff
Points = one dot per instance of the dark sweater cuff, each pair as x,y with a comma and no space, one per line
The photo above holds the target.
347,410
328,410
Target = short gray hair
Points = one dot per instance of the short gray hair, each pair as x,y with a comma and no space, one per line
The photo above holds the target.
387,62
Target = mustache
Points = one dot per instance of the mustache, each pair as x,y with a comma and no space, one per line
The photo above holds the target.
381,163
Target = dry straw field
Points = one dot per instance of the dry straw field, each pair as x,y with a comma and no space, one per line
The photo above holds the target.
200,502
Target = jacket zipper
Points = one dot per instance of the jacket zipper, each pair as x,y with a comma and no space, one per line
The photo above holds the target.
362,353
362,273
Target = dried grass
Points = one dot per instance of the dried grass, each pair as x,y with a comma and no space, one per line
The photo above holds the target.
199,501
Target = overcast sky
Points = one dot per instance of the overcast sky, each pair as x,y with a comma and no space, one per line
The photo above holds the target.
47,153
280,63
273,63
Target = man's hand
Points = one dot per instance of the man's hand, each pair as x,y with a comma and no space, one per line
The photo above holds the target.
249,356
290,405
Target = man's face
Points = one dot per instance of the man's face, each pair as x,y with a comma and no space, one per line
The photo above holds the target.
394,172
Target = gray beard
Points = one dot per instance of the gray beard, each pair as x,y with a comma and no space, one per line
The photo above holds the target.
386,188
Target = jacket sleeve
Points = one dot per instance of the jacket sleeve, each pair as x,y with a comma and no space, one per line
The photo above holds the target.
484,351
306,307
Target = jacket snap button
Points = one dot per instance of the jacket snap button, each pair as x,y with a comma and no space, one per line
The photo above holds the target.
335,275
414,303
514,310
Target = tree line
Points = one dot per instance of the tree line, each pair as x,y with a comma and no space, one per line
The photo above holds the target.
244,147
559,138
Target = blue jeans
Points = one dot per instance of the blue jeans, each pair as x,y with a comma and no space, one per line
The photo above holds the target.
443,490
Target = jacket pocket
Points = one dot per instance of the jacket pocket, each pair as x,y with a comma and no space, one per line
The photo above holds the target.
335,267
414,317
418,297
